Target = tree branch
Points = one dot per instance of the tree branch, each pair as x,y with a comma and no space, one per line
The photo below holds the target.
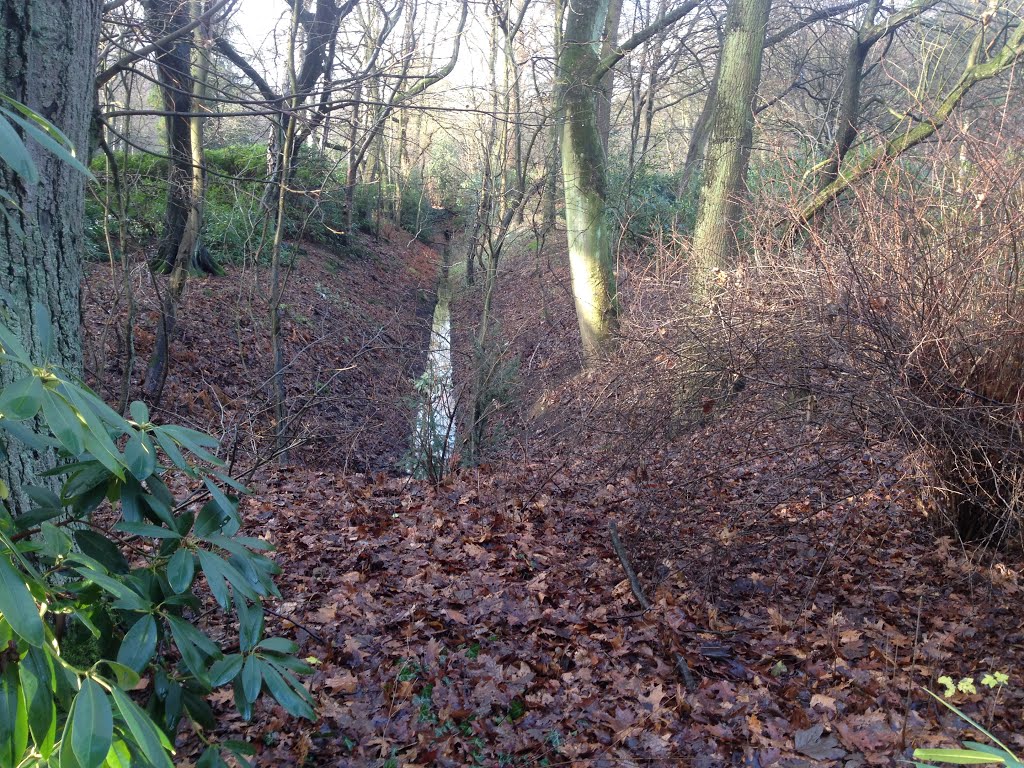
660,24
814,18
128,59
229,52
973,74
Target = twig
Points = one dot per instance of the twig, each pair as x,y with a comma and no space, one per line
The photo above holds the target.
638,593
634,582
304,628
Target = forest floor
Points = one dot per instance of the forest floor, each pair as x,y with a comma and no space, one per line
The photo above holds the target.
800,598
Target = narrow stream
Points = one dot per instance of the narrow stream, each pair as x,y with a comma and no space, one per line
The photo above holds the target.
434,439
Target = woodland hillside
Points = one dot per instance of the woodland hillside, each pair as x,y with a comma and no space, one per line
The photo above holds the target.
511,383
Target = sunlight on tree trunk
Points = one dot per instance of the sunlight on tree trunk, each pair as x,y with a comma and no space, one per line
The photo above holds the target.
584,176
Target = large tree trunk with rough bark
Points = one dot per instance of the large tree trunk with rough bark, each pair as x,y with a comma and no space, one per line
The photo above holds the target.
584,176
47,61
728,152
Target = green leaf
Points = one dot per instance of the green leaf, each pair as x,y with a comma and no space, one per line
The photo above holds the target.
296,665
225,670
127,598
238,544
34,440
198,710
280,645
214,569
87,477
22,399
139,644
230,481
171,449
46,506
252,678
119,756
97,441
56,543
153,744
14,152
966,719
196,442
1009,758
93,729
140,455
180,570
155,509
250,623
13,718
958,756
131,500
45,136
66,757
145,529
37,682
288,692
126,677
108,415
17,605
210,520
139,411
63,422
211,759
102,549
9,341
194,646
227,506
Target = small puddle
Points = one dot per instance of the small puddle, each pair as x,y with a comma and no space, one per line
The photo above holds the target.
433,442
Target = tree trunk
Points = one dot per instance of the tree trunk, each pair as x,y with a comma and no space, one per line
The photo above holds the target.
174,73
554,151
606,85
584,175
47,61
849,102
698,143
728,153
188,251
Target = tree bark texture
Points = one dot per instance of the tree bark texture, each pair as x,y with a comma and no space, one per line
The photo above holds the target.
584,175
728,151
47,61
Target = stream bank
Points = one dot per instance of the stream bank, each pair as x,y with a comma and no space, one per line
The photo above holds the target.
434,433
354,327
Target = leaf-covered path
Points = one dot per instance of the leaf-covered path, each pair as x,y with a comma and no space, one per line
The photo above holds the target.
489,622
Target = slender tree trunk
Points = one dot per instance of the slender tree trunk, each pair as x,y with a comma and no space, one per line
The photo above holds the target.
607,83
698,143
47,60
352,169
849,102
728,154
279,389
174,73
555,150
584,176
189,240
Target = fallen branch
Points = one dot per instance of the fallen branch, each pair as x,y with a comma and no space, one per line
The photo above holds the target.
638,593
